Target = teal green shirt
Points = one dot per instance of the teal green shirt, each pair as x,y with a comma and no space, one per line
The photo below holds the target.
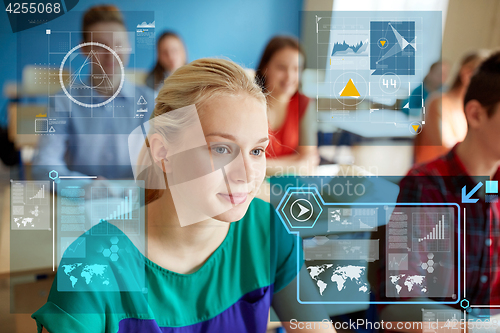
231,291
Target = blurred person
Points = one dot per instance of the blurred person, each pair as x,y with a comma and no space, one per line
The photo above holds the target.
293,145
442,180
171,54
433,82
97,146
445,122
9,154
219,271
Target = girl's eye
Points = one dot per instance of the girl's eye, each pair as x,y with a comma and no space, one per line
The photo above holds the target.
220,150
257,152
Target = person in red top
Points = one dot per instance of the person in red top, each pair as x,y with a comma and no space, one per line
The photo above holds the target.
442,180
293,145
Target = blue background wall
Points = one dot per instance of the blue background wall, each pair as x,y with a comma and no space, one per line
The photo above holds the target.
235,29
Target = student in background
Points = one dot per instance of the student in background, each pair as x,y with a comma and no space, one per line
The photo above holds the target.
94,141
171,55
445,122
442,180
293,145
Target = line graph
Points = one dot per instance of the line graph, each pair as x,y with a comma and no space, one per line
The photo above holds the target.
398,261
73,247
343,49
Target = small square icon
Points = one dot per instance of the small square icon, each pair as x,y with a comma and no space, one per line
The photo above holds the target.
47,32
491,186
41,125
490,198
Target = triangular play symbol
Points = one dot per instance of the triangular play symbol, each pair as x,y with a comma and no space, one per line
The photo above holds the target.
407,106
349,90
382,42
76,81
142,101
415,127
303,210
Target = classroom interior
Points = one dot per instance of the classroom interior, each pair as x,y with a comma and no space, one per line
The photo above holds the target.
236,30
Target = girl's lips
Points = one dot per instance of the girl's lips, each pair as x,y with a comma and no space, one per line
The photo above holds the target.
235,198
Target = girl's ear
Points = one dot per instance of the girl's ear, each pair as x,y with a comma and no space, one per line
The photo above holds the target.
159,150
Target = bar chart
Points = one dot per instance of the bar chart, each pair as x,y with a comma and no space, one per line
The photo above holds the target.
37,191
116,205
122,211
431,232
436,233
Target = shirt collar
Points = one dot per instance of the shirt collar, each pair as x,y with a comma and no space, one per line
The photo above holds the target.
457,168
455,165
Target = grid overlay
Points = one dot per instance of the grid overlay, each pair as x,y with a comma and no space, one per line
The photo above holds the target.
339,69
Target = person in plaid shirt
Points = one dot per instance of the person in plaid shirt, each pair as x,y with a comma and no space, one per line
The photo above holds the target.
442,180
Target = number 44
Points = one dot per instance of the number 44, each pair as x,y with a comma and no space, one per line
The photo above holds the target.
386,83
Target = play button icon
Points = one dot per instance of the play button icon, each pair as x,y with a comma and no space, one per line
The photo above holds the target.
301,210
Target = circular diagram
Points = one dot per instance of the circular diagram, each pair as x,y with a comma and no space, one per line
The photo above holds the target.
350,89
389,83
85,80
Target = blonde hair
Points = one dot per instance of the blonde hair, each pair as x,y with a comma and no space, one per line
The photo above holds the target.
202,80
194,84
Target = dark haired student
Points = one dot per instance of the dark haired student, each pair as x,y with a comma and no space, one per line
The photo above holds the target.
94,140
442,180
171,54
293,146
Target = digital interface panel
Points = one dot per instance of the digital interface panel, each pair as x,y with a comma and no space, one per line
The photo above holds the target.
94,231
86,76
101,230
347,226
421,252
30,205
369,63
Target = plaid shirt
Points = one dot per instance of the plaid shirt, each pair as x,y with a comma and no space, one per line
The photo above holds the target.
442,180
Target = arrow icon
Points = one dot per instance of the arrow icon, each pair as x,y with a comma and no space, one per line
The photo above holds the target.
466,196
303,207
303,210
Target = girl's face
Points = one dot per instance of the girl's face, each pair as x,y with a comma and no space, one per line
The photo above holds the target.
282,72
171,53
222,182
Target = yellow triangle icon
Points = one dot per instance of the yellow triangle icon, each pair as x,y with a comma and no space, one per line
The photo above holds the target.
382,42
349,90
415,127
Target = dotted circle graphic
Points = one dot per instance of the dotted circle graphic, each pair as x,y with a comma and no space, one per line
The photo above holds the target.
87,104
